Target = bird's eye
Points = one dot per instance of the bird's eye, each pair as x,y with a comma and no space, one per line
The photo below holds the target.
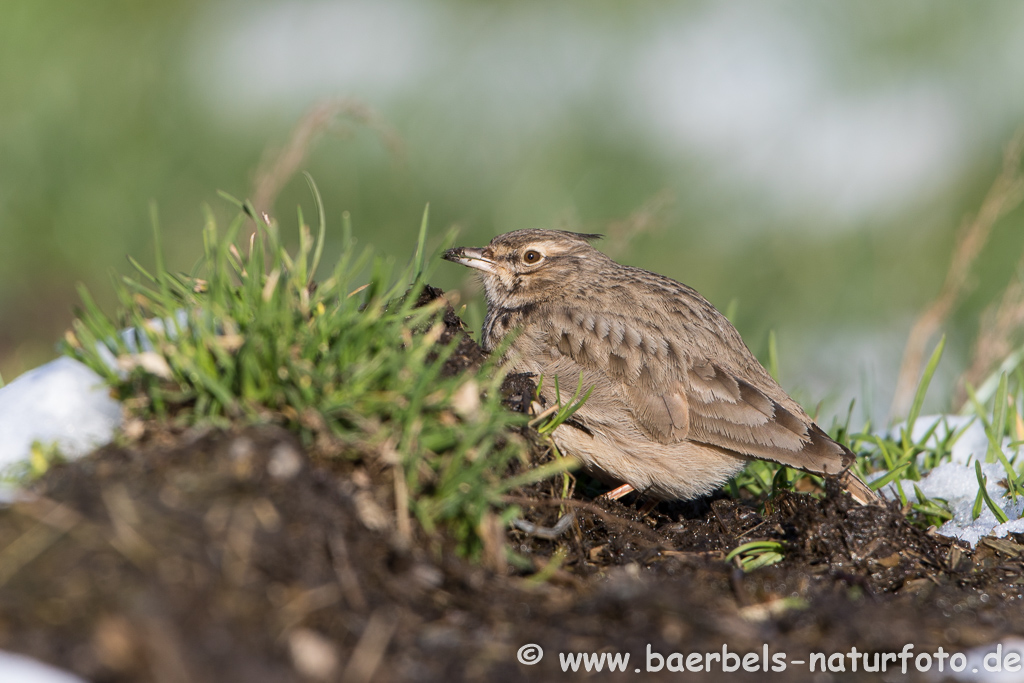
532,256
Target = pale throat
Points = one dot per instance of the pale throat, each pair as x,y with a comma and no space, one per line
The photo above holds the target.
501,292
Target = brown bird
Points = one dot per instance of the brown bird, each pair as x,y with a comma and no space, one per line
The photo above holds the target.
679,403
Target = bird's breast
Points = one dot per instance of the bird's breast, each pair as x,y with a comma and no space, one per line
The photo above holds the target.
500,321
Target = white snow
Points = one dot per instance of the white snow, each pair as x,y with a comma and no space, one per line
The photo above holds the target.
139,346
67,404
63,403
971,443
957,483
21,669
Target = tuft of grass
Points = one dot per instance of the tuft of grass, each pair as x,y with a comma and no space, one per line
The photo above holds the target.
549,420
354,367
545,424
931,511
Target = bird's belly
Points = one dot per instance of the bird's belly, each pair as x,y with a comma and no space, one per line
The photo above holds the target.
681,471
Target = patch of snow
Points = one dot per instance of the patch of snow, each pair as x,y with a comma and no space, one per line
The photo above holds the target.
956,481
67,404
138,342
21,669
62,402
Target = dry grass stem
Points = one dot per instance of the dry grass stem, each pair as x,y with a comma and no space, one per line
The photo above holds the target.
649,216
125,518
347,579
1004,195
307,602
278,166
492,533
999,333
53,522
370,649
403,521
166,652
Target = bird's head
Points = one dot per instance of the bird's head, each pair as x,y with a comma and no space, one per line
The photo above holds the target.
528,266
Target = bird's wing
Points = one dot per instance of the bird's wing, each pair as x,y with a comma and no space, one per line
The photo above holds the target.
729,412
676,394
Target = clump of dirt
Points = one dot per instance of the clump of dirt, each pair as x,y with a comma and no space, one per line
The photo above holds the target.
234,555
468,354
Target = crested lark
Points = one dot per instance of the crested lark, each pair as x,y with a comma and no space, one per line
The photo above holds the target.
679,403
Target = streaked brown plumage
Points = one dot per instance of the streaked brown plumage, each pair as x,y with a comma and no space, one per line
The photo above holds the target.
679,402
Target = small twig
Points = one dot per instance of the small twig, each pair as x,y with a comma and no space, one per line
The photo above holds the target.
721,522
549,533
53,522
492,533
347,578
753,528
166,652
618,492
540,418
736,583
239,541
305,603
403,523
369,651
125,518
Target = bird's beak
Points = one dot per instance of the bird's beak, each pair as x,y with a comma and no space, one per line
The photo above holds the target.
474,257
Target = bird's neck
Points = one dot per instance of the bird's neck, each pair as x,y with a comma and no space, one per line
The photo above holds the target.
502,319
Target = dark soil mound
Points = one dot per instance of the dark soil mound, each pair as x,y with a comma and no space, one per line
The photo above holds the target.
237,556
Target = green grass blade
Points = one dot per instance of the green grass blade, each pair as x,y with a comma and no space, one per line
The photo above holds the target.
231,199
891,476
154,220
998,426
321,229
983,495
922,389
421,255
762,560
346,232
989,385
731,310
773,356
142,271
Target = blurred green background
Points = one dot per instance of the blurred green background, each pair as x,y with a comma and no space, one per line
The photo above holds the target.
810,161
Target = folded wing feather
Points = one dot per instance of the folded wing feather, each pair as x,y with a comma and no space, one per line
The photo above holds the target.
674,398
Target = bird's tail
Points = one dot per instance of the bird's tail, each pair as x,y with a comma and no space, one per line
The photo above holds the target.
859,491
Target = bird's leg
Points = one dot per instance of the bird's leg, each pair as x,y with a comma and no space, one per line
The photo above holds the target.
618,492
